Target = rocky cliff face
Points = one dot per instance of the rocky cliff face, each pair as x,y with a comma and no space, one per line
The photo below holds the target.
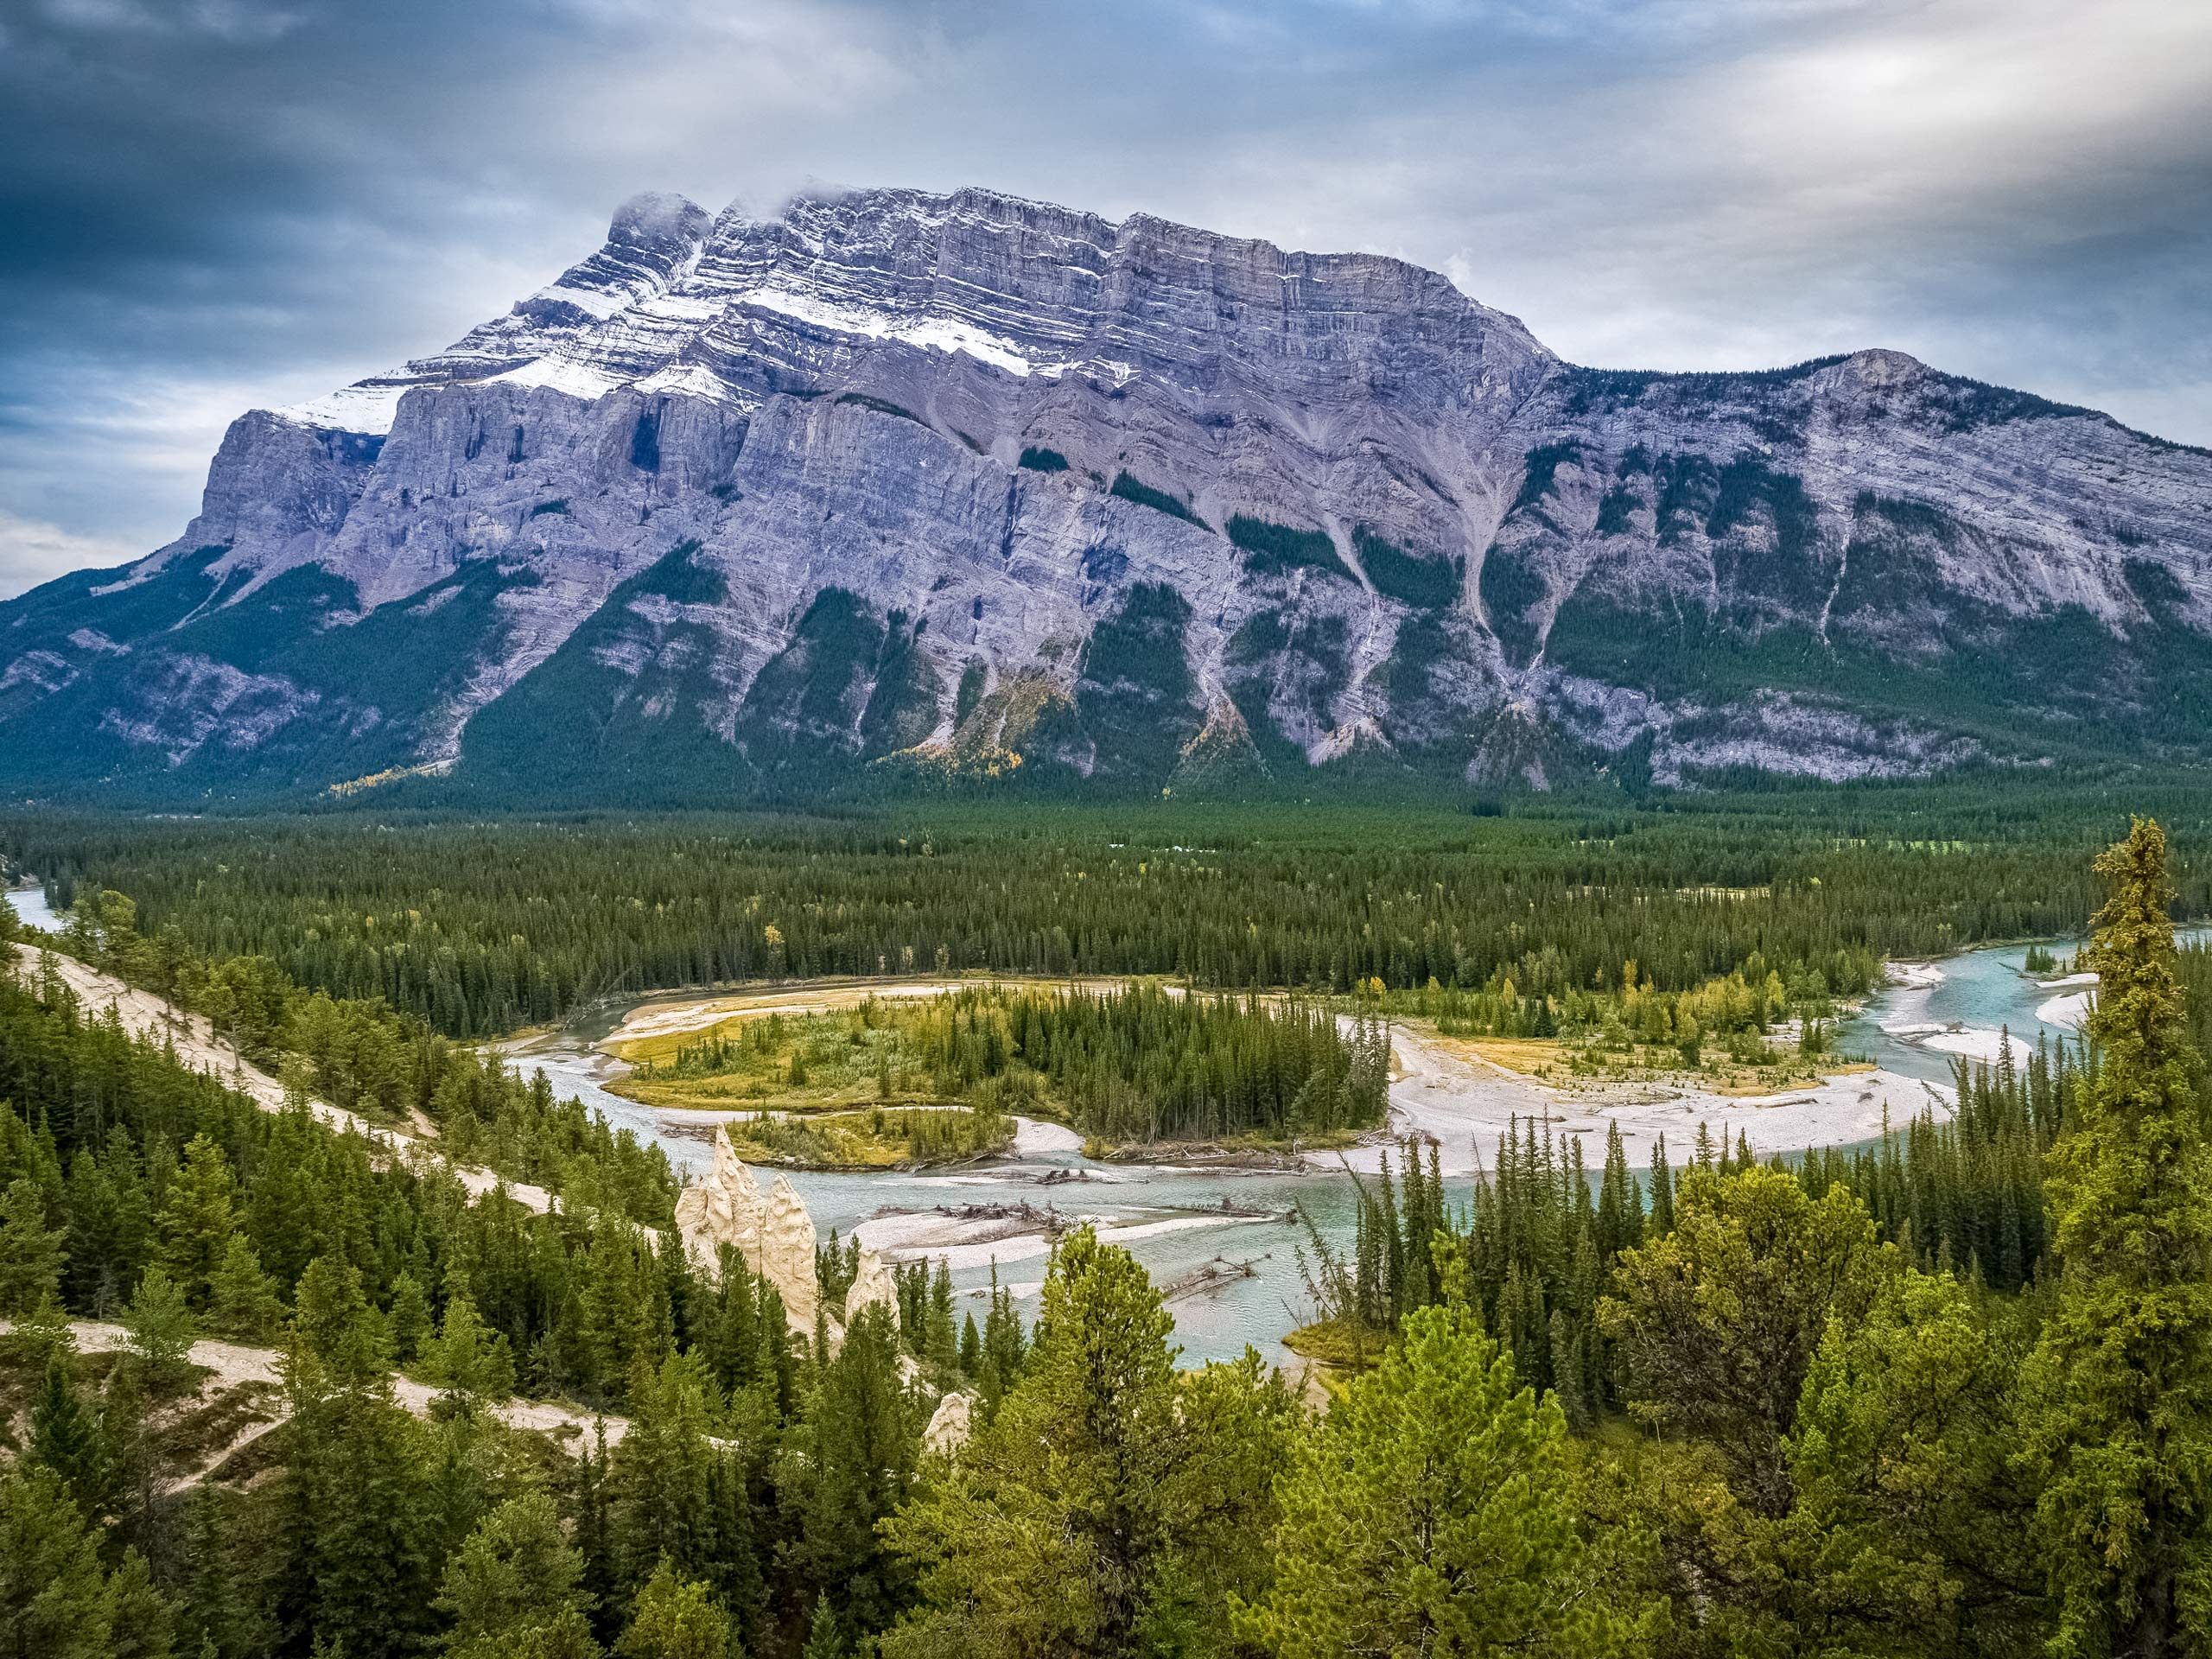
966,483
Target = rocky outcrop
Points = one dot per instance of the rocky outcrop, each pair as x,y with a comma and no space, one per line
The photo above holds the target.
741,504
773,1235
787,1251
948,1425
873,1286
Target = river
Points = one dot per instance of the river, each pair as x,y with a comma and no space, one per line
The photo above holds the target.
31,908
1174,1220
1962,1005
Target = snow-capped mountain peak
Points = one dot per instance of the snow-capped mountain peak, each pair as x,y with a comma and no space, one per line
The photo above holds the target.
964,482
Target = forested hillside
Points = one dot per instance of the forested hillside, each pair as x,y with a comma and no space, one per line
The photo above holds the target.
1946,1396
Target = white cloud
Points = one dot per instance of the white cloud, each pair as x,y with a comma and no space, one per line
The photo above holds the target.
32,552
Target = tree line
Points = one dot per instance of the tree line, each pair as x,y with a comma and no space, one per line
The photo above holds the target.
1540,1236
479,927
1135,1064
363,1057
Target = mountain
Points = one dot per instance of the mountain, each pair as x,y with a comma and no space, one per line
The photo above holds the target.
917,484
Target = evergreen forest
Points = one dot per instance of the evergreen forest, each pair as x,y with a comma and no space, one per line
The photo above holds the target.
268,1389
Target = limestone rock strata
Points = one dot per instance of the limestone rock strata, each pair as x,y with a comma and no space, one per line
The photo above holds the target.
886,477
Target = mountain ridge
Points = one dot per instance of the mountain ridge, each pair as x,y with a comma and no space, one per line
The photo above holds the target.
964,483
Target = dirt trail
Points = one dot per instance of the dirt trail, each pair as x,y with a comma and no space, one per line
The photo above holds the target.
198,1047
234,1365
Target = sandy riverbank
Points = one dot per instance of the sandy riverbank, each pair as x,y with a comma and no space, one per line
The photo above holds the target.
982,1236
1466,1104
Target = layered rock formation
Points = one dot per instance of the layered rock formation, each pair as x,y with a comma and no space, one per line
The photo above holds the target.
740,504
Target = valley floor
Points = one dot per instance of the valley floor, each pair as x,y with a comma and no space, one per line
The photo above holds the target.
1441,1088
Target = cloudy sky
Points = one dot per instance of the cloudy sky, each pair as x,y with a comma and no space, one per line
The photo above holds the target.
208,204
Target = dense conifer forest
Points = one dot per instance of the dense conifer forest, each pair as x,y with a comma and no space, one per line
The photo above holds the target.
481,926
1950,1394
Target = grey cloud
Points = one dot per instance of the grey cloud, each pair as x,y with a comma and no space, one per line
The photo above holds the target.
32,552
215,203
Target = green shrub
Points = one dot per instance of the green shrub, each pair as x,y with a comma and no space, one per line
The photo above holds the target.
1159,500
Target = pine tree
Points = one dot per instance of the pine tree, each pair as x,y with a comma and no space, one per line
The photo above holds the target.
674,1617
242,1301
30,1252
55,1600
219,1615
1109,1503
826,1636
360,1527
1718,1321
851,1461
1620,1205
2124,1437
515,1584
160,1326
596,1543
727,1326
661,1480
199,1218
333,1326
1663,1190
1909,1531
1006,1347
411,1320
971,1349
68,1437
1433,1511
470,1363
940,1343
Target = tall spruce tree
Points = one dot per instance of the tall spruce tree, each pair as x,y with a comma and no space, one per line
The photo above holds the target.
69,1439
160,1327
30,1252
2124,1371
56,1601
851,1463
199,1218
516,1583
